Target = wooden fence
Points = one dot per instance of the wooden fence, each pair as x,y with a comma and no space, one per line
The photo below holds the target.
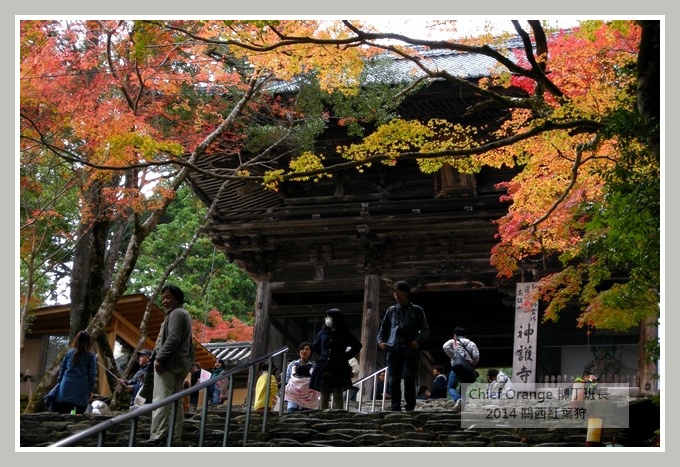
631,379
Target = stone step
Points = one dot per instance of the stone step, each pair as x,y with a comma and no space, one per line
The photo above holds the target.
331,428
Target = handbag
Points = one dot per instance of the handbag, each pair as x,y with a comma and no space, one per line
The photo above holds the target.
463,368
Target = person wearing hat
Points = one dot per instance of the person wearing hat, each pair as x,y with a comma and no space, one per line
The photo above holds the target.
132,386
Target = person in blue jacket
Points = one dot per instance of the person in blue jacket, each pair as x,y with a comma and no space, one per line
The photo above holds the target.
77,376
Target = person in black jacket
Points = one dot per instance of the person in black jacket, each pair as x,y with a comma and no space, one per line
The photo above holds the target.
336,345
403,329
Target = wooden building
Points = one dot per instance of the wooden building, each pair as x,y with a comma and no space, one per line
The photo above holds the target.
343,242
48,336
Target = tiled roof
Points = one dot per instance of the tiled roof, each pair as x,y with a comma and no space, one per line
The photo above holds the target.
462,65
233,353
387,68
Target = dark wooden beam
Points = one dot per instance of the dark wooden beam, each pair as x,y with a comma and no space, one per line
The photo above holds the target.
293,311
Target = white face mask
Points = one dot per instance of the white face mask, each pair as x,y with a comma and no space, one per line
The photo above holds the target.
328,322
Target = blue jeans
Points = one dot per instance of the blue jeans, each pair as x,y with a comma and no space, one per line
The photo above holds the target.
215,394
452,385
402,364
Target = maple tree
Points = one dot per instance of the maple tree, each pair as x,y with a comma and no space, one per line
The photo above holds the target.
220,329
566,189
132,106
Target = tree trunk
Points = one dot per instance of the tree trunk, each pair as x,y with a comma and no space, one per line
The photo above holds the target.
649,107
89,262
649,79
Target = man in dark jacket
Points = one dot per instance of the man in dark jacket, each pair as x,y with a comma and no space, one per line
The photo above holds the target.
402,331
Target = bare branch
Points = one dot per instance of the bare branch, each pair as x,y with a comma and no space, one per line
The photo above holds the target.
538,69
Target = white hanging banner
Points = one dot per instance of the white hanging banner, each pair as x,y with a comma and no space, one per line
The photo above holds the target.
525,337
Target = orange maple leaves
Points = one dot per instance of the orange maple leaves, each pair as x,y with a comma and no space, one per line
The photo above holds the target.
220,330
563,171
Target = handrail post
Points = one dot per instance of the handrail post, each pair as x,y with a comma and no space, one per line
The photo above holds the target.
360,397
249,404
133,432
282,378
101,437
173,420
229,406
267,394
204,418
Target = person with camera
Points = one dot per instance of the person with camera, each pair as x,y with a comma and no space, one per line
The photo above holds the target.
402,331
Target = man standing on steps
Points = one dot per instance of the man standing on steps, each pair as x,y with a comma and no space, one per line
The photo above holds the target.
402,331
173,356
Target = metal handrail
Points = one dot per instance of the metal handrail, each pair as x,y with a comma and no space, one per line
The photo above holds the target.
101,428
360,384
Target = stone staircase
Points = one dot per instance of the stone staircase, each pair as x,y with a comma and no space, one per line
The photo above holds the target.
432,425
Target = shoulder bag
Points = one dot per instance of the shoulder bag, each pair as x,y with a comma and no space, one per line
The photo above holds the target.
463,368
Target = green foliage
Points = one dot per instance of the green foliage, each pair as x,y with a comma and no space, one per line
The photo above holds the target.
589,27
374,105
315,110
299,119
221,285
48,214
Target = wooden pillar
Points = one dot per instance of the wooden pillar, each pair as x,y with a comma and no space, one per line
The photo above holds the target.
261,327
370,324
